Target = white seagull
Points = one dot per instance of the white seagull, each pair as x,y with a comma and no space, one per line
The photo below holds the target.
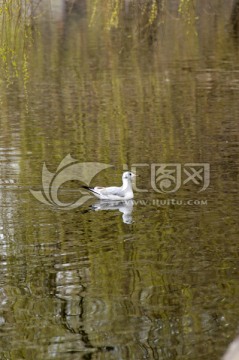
124,192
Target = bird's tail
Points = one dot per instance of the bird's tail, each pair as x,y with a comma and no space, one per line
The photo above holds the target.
86,187
89,189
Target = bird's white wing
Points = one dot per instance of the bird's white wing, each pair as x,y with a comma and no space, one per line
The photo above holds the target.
108,191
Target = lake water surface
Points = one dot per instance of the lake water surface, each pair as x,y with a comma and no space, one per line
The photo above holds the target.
154,279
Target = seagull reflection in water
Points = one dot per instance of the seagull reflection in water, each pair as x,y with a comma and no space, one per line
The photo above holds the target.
125,207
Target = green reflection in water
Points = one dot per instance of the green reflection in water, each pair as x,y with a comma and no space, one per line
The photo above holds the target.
120,85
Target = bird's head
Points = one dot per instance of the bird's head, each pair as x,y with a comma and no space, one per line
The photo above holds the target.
128,175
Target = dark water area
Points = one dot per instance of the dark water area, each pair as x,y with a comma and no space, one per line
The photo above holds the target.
132,87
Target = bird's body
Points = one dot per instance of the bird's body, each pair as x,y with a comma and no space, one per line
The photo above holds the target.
124,192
